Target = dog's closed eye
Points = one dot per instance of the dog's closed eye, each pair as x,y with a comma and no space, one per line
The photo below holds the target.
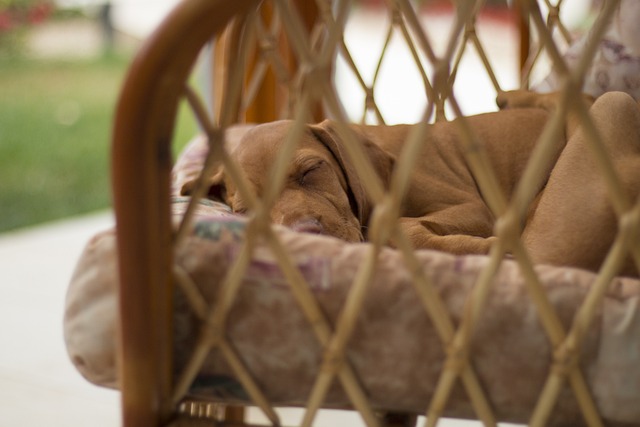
310,174
239,209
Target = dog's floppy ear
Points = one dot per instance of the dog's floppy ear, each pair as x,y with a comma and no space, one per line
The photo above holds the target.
186,171
381,161
191,161
213,182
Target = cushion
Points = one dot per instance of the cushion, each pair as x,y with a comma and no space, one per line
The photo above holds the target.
395,350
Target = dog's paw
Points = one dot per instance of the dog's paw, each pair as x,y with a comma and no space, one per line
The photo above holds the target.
517,99
529,99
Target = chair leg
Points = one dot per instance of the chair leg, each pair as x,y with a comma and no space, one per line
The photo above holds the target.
399,419
233,415
206,414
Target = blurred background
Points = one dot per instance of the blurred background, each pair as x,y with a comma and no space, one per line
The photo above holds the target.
61,65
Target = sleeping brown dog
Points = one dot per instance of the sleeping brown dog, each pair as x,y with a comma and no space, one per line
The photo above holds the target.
571,222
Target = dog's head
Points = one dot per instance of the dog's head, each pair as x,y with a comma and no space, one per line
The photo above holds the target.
322,192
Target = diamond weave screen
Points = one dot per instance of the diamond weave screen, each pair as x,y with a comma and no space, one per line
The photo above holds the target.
278,59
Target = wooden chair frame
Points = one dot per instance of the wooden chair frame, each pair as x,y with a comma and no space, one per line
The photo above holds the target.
141,179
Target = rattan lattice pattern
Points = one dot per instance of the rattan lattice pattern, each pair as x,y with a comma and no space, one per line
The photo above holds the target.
308,86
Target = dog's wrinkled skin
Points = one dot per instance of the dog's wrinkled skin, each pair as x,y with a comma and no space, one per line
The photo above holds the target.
570,222
317,196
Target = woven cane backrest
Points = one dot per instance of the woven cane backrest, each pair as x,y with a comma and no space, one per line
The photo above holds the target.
279,43
269,36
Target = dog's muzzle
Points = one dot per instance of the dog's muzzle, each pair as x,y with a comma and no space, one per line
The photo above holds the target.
308,225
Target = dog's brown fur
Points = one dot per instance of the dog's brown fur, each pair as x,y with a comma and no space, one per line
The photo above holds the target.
570,223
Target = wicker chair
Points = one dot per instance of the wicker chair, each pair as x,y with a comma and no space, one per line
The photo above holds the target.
276,59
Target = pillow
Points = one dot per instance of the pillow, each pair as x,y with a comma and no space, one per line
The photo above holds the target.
616,65
394,350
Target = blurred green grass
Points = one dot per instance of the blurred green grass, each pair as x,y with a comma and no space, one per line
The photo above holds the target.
55,128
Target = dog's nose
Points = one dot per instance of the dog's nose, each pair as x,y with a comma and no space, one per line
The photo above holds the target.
307,225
